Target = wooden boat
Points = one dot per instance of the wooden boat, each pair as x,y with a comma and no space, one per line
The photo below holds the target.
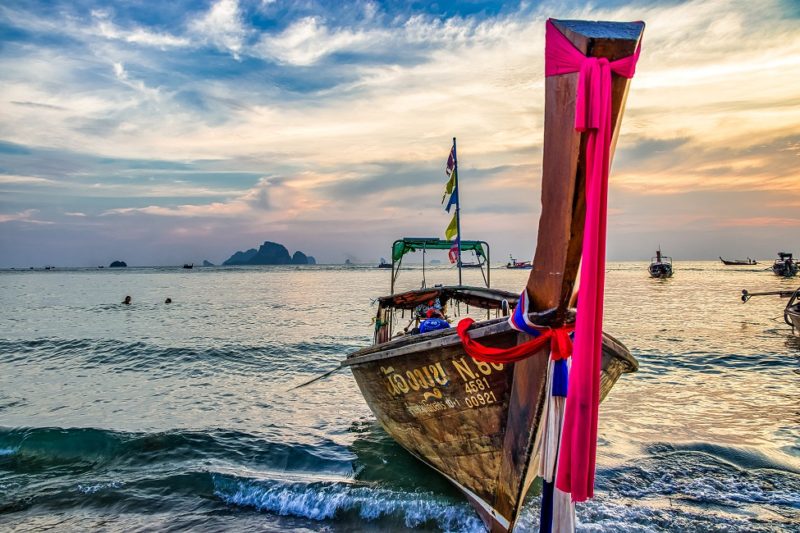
188,265
521,265
791,313
476,423
384,264
660,266
738,262
785,265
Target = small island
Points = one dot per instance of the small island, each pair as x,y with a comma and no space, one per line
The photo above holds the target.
269,253
118,264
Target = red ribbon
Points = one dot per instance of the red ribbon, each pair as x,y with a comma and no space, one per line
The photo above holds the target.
557,338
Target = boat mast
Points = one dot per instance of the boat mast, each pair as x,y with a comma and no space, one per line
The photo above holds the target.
458,209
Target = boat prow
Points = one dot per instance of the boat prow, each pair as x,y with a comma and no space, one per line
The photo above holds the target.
452,412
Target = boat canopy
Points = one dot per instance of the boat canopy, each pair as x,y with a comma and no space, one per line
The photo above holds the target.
475,296
411,244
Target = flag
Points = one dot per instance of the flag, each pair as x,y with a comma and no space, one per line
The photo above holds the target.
453,253
452,229
451,162
451,185
453,198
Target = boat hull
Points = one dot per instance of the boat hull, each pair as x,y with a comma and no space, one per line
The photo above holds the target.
660,271
792,317
452,412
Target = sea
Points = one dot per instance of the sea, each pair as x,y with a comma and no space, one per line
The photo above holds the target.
182,416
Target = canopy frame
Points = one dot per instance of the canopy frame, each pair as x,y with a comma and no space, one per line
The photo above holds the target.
406,245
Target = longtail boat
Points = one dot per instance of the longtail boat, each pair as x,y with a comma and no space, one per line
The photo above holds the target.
738,262
480,424
791,313
785,265
660,266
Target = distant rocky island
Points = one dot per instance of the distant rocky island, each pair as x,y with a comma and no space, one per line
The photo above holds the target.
207,263
270,253
118,264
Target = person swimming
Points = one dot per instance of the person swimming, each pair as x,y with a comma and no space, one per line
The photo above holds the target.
168,301
127,300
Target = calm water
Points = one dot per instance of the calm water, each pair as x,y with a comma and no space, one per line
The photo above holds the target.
179,416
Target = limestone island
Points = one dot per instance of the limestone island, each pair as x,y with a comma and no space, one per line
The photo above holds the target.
270,253
118,264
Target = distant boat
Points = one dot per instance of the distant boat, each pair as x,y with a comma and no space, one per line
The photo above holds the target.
188,265
738,262
785,266
522,265
660,266
384,264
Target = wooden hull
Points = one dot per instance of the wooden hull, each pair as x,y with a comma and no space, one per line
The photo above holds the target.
738,262
452,412
792,317
784,270
660,271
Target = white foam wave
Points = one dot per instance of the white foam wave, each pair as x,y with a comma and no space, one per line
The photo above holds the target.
91,489
322,501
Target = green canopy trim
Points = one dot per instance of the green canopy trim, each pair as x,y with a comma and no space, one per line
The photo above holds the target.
411,244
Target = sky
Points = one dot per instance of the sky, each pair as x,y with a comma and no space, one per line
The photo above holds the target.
168,132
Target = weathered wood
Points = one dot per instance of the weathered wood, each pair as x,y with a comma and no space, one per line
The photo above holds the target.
561,224
436,404
561,227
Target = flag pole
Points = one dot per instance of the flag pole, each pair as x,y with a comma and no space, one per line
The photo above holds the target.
458,209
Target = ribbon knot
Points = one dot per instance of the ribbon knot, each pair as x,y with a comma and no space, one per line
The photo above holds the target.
557,338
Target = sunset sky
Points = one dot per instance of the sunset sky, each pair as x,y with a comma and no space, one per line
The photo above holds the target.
168,132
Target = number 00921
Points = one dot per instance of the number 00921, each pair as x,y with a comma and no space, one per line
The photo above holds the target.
478,400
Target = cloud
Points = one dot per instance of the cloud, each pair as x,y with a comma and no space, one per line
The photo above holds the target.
222,26
307,40
106,28
25,216
26,180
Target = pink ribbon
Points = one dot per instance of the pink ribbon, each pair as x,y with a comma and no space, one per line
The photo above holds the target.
576,462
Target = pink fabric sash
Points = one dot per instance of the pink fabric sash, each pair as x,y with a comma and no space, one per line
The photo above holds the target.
576,464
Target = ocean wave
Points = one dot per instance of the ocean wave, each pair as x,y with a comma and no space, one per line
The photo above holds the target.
328,500
122,356
81,449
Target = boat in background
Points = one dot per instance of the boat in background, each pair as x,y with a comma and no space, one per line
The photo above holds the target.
384,264
660,266
738,262
522,265
474,422
188,265
785,265
791,313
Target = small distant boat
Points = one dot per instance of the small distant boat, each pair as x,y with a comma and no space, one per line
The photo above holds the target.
384,264
791,313
738,262
522,265
660,266
785,265
188,265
